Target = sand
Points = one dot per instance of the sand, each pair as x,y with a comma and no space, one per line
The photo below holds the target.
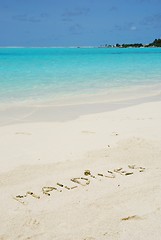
47,193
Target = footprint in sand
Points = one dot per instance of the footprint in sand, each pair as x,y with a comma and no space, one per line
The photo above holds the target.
89,238
3,237
23,133
32,237
32,223
88,132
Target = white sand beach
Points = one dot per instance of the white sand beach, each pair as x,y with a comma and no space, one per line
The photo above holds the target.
46,192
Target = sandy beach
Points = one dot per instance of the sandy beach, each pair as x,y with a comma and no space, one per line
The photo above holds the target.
80,120
95,176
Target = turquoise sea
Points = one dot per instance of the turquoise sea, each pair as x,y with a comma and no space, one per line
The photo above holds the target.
50,74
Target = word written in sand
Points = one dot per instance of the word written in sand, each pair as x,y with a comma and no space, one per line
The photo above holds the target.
82,181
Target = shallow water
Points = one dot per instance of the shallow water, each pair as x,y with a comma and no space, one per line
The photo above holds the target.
60,74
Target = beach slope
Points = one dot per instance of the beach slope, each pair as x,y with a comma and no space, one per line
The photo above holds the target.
92,178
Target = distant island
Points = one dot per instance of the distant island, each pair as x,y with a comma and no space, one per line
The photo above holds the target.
155,43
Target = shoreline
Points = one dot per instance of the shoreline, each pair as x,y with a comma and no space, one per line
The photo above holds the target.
65,110
41,134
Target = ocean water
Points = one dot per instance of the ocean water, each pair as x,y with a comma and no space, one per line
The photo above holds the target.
56,74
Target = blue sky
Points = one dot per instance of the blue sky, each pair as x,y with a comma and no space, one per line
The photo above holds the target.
78,23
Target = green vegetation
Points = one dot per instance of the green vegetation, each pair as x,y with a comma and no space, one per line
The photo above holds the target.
155,43
136,45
